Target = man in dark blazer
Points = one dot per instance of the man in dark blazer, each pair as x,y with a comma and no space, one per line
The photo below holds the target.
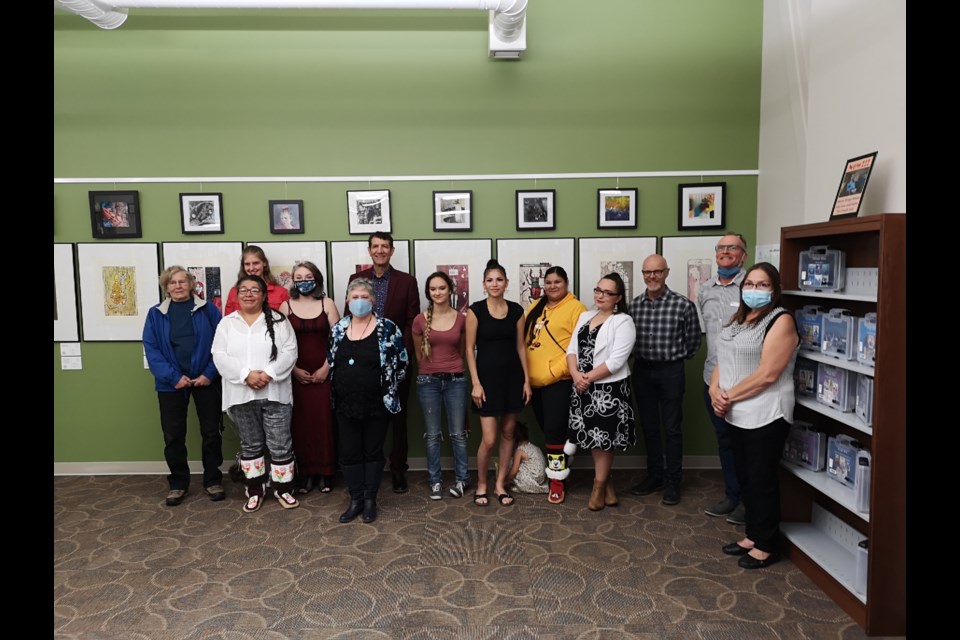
398,300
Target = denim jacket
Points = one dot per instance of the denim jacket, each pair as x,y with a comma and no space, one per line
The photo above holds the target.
393,357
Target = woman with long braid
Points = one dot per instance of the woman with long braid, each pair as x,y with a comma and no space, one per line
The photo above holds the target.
547,331
255,350
438,338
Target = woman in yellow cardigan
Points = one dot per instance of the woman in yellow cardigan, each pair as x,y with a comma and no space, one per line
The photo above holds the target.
548,329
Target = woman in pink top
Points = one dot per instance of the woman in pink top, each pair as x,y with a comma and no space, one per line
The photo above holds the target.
253,262
438,338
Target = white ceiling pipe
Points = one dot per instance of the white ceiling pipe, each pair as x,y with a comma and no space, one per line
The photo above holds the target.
508,19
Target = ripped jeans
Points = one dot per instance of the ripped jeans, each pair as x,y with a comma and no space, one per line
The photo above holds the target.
435,391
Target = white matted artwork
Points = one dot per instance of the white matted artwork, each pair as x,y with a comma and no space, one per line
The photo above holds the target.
462,260
600,256
214,265
118,285
349,257
692,261
65,325
526,262
283,255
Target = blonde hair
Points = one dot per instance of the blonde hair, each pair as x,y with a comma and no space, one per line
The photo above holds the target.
428,314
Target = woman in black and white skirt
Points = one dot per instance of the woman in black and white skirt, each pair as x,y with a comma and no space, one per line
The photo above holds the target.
601,409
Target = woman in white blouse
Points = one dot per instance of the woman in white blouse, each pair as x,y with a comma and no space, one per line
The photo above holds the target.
601,407
255,350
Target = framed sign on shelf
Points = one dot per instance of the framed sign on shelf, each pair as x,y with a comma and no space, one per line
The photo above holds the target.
692,262
856,174
214,265
368,211
600,256
348,257
526,263
66,325
462,260
702,206
283,255
118,285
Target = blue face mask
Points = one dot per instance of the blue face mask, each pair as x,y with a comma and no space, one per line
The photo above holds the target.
305,286
360,307
754,298
728,272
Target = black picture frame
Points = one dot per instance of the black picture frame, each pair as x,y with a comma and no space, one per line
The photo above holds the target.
368,212
285,216
115,214
701,205
453,210
536,210
617,208
853,184
201,213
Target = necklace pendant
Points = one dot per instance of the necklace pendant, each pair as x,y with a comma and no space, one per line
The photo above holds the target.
350,361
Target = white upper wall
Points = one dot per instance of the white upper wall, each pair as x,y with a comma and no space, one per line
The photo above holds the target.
833,87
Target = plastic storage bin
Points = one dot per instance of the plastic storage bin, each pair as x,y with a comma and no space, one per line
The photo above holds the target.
838,334
806,447
822,269
805,377
810,324
842,459
867,339
836,387
863,405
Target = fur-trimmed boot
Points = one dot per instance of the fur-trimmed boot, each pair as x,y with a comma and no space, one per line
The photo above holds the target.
558,470
281,481
353,475
372,475
254,469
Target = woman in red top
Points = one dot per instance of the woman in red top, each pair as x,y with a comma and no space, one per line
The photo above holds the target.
253,262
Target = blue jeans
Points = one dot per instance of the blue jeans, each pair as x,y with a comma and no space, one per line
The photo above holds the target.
433,393
724,449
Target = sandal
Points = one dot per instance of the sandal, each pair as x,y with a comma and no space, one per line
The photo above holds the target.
326,484
253,503
304,487
286,500
502,497
481,496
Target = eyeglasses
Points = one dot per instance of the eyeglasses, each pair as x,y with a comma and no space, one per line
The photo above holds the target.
653,273
748,285
249,292
604,293
720,248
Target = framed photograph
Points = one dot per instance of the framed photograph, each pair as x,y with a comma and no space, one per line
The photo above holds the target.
66,327
536,210
692,261
286,216
527,260
856,173
283,255
115,214
600,256
348,257
118,285
462,260
616,209
368,211
702,206
452,210
201,212
215,266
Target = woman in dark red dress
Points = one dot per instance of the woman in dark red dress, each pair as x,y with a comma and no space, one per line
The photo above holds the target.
311,314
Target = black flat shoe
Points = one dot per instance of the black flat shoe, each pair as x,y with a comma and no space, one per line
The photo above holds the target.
749,562
400,483
734,549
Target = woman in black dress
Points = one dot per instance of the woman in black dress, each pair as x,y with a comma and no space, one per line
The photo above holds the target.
496,357
601,411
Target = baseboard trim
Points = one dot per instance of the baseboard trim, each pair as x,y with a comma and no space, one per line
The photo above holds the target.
153,468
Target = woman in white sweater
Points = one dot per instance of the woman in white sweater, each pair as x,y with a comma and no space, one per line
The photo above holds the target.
601,407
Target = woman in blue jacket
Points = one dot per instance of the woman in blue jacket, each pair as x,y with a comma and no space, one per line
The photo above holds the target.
177,338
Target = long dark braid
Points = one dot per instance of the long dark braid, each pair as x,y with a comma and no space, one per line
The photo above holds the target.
267,312
534,315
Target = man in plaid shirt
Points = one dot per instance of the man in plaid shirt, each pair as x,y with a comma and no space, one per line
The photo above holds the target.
668,332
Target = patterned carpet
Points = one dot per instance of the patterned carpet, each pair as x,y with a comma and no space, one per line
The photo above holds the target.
127,566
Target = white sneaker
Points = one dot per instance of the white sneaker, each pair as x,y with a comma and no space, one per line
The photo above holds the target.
458,489
436,491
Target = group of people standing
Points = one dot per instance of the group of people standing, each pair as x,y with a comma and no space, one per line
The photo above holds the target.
310,391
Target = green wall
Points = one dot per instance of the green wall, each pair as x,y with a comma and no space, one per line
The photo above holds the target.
618,86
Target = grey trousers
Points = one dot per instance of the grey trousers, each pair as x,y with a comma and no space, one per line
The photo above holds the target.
263,423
